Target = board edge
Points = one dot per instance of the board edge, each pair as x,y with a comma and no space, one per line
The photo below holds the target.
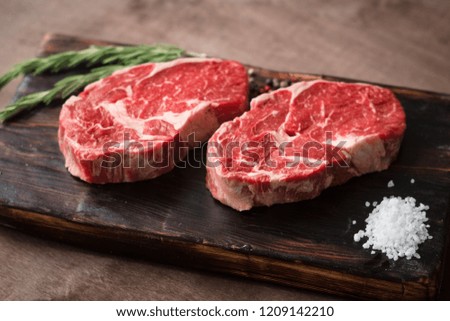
212,258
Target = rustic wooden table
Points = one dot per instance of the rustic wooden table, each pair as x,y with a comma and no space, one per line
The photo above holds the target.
405,43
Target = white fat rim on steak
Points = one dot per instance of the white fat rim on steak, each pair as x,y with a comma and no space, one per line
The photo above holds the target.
160,66
295,90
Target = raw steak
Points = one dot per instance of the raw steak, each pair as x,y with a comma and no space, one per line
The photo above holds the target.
297,141
137,123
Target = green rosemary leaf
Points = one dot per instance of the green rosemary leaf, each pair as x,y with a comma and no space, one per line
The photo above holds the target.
22,104
61,90
93,56
10,75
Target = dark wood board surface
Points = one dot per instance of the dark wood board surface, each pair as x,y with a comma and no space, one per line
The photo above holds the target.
174,219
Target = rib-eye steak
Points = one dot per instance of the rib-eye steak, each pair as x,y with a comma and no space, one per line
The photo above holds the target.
297,141
137,123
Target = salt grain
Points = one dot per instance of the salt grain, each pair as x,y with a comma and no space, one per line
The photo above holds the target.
396,227
413,180
353,222
357,237
374,204
367,204
390,184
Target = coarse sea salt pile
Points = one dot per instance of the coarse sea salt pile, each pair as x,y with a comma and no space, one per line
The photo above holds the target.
396,227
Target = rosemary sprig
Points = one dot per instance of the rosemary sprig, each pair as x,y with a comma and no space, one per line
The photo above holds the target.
111,58
61,90
93,56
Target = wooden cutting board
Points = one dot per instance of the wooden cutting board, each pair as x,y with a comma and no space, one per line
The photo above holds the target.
174,219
